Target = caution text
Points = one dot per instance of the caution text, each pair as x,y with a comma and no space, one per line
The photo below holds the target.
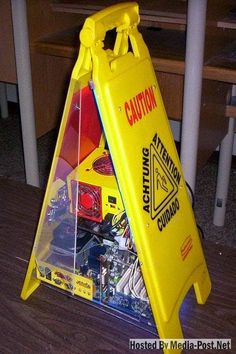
140,105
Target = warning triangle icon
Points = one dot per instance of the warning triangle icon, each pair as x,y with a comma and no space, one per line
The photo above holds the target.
163,184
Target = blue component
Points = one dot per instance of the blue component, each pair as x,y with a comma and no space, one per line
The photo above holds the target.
84,269
97,251
64,237
93,258
94,263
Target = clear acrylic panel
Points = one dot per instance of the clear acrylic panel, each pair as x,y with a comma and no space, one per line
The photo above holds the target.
85,245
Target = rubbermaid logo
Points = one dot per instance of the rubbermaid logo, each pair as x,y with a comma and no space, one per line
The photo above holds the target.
186,247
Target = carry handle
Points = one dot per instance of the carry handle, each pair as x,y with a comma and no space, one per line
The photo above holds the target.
121,16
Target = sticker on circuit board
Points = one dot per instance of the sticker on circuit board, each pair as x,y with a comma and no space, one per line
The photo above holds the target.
161,179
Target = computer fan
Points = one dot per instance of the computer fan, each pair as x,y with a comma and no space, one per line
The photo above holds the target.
103,165
89,200
93,187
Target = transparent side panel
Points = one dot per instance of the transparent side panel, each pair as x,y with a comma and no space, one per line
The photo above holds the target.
59,246
84,243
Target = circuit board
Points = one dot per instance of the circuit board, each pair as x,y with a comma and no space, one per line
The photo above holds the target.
94,259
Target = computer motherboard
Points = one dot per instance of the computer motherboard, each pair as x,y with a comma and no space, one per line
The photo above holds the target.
90,250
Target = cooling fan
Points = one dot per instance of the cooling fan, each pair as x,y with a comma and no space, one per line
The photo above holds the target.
103,165
93,187
89,200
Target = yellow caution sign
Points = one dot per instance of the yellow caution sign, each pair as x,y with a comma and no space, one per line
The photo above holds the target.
147,168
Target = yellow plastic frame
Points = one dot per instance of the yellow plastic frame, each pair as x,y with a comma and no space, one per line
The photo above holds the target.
130,104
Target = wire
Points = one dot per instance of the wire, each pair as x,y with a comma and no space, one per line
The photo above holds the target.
119,224
116,222
135,254
97,233
191,193
193,204
135,271
130,283
201,232
132,276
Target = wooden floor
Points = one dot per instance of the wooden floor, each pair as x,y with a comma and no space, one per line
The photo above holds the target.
49,322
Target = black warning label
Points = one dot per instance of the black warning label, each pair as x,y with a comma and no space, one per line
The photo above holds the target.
161,179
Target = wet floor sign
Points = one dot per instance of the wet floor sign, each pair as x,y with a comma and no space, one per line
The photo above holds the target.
147,168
